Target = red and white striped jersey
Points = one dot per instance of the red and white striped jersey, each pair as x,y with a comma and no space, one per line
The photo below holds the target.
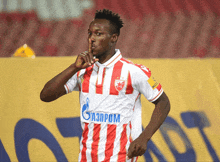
111,107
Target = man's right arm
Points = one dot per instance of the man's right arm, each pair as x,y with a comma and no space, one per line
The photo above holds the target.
54,88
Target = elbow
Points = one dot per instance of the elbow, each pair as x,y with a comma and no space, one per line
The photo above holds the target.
168,106
166,101
48,96
44,97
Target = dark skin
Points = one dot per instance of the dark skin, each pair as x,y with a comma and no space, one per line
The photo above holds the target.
102,45
161,110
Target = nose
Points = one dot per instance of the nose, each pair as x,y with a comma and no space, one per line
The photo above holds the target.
92,37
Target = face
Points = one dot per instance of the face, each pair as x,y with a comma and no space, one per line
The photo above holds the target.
99,34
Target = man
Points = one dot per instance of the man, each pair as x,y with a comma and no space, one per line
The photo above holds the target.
110,89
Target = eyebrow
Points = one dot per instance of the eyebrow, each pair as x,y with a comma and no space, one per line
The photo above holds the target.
95,30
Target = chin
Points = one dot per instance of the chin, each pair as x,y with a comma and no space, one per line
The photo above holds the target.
96,54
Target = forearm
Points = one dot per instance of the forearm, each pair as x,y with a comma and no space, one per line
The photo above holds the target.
160,113
54,88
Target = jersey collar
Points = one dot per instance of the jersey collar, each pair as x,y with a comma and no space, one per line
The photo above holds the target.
115,58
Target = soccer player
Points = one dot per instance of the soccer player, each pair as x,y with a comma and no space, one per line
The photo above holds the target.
110,88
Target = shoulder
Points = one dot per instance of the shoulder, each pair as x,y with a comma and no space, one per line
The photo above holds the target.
137,69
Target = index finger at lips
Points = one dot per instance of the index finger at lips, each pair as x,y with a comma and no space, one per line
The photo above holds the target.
90,52
91,57
90,46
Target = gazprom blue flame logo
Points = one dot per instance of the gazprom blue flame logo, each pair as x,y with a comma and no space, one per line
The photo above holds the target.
85,108
97,116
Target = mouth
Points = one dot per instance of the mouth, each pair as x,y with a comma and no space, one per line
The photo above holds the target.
93,46
94,52
94,49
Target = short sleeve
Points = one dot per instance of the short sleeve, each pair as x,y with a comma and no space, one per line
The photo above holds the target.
72,84
146,84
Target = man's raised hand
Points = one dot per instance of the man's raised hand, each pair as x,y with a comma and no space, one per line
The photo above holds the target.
85,59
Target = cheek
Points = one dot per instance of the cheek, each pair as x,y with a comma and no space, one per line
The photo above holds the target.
105,43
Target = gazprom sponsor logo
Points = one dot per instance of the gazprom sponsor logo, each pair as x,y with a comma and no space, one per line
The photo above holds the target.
98,117
103,117
85,108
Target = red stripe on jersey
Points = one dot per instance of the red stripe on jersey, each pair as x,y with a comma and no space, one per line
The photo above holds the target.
130,138
85,137
129,62
133,159
136,100
129,89
159,87
86,78
144,69
95,144
123,142
68,91
78,74
111,134
156,96
115,75
99,87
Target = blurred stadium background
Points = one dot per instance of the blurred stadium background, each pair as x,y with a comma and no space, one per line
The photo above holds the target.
153,29
179,40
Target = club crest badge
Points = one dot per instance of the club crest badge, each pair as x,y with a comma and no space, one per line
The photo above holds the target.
119,84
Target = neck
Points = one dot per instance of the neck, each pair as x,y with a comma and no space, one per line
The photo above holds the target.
106,56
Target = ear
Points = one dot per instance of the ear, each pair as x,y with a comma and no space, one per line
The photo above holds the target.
114,38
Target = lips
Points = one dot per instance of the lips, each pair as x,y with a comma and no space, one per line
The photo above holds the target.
94,49
94,52
93,46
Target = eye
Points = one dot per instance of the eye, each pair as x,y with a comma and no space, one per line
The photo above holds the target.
98,34
89,33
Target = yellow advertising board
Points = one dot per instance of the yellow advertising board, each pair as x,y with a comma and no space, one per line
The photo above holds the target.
32,130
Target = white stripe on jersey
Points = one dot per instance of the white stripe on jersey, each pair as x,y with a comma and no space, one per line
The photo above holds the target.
107,82
102,141
100,75
117,144
108,100
89,142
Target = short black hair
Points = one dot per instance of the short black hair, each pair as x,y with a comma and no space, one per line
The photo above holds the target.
113,18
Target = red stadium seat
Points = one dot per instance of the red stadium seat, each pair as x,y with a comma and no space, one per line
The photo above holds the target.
28,33
152,29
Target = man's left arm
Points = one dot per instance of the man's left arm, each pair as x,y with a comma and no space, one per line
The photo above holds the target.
162,108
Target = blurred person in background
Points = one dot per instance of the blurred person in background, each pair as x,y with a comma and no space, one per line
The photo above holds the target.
110,88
